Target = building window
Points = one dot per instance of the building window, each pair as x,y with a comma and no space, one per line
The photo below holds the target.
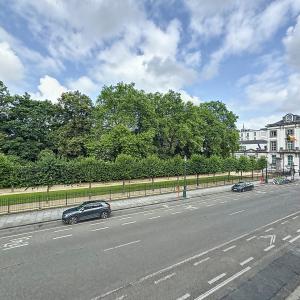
290,131
273,146
274,160
290,160
254,133
273,133
290,145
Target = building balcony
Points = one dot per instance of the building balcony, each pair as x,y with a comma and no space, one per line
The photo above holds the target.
293,150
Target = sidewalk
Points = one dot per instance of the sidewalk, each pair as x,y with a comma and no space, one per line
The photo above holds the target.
40,216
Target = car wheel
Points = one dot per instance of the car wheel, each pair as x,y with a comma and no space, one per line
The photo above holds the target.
242,190
104,215
73,220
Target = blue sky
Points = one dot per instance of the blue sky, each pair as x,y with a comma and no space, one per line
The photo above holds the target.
244,53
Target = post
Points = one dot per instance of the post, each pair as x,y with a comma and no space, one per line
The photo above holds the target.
66,198
184,184
266,173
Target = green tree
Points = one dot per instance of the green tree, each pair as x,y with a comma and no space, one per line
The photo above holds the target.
230,165
243,164
214,164
198,165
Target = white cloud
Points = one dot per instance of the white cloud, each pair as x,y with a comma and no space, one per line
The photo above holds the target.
292,44
49,88
11,67
83,84
259,122
187,97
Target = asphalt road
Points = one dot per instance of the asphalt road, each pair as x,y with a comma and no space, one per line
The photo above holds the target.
200,248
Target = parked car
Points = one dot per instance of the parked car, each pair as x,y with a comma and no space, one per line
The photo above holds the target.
281,180
242,187
87,210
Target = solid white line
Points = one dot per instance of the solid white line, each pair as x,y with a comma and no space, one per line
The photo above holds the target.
184,297
251,238
62,230
201,261
153,218
237,212
286,237
205,295
269,248
61,237
284,222
216,278
269,229
128,223
229,248
164,278
122,245
17,246
294,239
102,228
246,261
295,217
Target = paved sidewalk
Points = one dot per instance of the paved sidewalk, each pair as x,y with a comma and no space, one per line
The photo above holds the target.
40,216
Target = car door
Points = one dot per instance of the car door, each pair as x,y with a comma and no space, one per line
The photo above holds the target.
89,212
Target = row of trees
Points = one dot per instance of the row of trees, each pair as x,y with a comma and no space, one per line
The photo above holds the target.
49,169
123,120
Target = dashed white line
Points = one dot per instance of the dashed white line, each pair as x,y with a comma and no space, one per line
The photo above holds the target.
251,238
269,229
295,217
223,202
62,230
125,218
121,297
286,237
16,246
229,248
201,261
295,239
298,230
209,292
149,213
246,261
284,222
237,212
216,278
153,217
269,248
177,212
61,237
128,223
165,278
209,205
122,245
184,297
102,228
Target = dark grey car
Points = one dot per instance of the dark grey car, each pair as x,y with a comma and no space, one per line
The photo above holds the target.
242,187
87,210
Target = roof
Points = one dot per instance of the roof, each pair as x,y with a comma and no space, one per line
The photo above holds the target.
284,121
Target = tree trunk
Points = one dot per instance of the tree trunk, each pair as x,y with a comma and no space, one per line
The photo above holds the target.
197,179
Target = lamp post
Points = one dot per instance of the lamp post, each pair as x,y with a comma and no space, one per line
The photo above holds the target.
184,185
266,173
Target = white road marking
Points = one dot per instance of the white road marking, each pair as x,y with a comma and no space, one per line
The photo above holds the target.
229,248
165,278
16,246
220,285
284,222
209,205
125,218
269,248
286,237
98,223
62,230
121,297
177,212
215,248
295,239
21,238
298,230
295,217
251,238
153,218
150,213
201,261
269,229
122,245
246,261
61,237
184,297
128,223
216,278
102,228
237,212
223,202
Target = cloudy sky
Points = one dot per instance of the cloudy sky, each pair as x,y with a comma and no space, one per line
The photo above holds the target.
244,53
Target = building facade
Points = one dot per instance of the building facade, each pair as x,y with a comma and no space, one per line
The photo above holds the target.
279,142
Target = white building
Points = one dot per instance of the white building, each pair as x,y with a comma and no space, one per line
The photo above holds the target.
279,142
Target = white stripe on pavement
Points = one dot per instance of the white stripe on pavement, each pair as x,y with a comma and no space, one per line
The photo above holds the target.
164,278
246,261
201,261
286,237
216,278
184,297
295,239
122,245
61,237
237,212
102,228
229,248
269,248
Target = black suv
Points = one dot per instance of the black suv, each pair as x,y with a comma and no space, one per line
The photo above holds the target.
87,210
242,187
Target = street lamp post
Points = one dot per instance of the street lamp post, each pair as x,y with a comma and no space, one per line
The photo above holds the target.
184,186
266,173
